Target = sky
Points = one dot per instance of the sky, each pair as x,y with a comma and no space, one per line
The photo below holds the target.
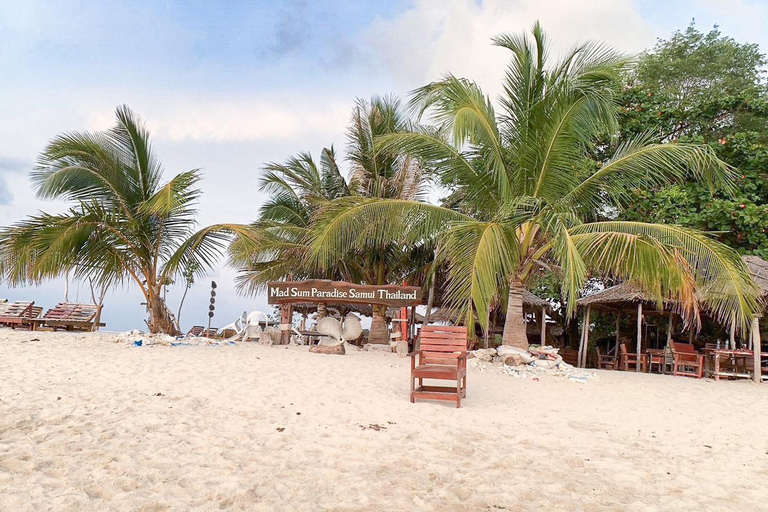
230,86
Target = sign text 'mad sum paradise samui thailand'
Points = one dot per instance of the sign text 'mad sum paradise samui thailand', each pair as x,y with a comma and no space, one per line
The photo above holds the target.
321,290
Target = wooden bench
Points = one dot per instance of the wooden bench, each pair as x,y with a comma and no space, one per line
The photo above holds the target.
442,356
687,360
13,313
69,316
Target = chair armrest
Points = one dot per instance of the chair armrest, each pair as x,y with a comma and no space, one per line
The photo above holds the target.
414,353
462,355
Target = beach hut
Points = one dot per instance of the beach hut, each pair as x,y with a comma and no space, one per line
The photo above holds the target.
620,299
758,269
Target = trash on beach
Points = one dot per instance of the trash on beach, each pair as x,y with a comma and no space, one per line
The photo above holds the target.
141,339
534,363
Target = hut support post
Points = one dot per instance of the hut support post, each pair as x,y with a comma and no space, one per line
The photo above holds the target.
639,335
618,332
286,321
543,329
669,328
732,337
755,331
584,343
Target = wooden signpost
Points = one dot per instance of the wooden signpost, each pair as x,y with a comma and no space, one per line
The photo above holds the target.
322,290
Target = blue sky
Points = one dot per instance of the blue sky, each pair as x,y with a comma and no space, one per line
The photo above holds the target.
228,86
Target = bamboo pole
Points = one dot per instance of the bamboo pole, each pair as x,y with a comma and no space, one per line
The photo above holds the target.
669,328
757,366
732,336
618,332
584,343
639,335
543,329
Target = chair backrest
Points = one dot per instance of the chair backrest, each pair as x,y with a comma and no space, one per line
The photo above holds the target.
15,309
72,312
34,312
682,348
442,345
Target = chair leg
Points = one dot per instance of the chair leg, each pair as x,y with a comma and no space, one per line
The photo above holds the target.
464,387
458,393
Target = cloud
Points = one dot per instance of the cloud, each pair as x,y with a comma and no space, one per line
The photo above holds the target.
9,165
292,29
242,119
423,43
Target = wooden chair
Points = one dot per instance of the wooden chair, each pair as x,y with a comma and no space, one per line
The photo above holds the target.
442,356
30,316
13,313
606,361
627,359
70,316
687,361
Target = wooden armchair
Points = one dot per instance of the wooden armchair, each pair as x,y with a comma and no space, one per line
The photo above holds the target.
687,361
442,356
627,359
606,361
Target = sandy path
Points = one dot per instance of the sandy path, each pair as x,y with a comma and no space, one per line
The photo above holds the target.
82,427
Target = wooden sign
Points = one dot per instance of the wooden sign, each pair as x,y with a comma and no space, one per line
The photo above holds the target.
322,290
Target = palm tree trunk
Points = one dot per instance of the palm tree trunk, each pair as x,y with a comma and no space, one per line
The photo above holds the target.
514,324
160,317
379,332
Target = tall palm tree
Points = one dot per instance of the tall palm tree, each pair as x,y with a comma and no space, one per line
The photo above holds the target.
300,188
126,224
527,194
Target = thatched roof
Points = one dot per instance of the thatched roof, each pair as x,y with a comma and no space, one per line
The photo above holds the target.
616,296
529,300
758,268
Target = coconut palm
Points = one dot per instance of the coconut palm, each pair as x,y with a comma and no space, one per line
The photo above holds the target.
528,196
300,188
126,224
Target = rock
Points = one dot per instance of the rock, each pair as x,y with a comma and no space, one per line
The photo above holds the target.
513,360
328,349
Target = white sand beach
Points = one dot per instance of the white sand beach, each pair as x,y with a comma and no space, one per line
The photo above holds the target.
90,424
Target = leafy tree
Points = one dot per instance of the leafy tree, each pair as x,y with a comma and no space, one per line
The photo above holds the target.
300,188
527,193
709,89
125,224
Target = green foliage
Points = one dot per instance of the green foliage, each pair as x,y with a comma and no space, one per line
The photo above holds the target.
526,190
125,224
706,89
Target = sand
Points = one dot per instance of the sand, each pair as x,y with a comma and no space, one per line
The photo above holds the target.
90,424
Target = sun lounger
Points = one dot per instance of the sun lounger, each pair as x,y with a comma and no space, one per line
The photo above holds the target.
442,356
13,313
70,316
195,331
32,314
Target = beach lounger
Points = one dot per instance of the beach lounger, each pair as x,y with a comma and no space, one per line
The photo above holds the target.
69,316
32,314
196,330
442,356
13,313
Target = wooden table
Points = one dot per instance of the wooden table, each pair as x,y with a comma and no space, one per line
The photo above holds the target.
715,355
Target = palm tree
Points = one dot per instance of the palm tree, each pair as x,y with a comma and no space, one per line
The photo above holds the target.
528,196
300,188
126,224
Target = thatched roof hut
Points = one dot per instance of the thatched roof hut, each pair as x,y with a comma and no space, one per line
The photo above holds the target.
758,268
530,302
619,297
